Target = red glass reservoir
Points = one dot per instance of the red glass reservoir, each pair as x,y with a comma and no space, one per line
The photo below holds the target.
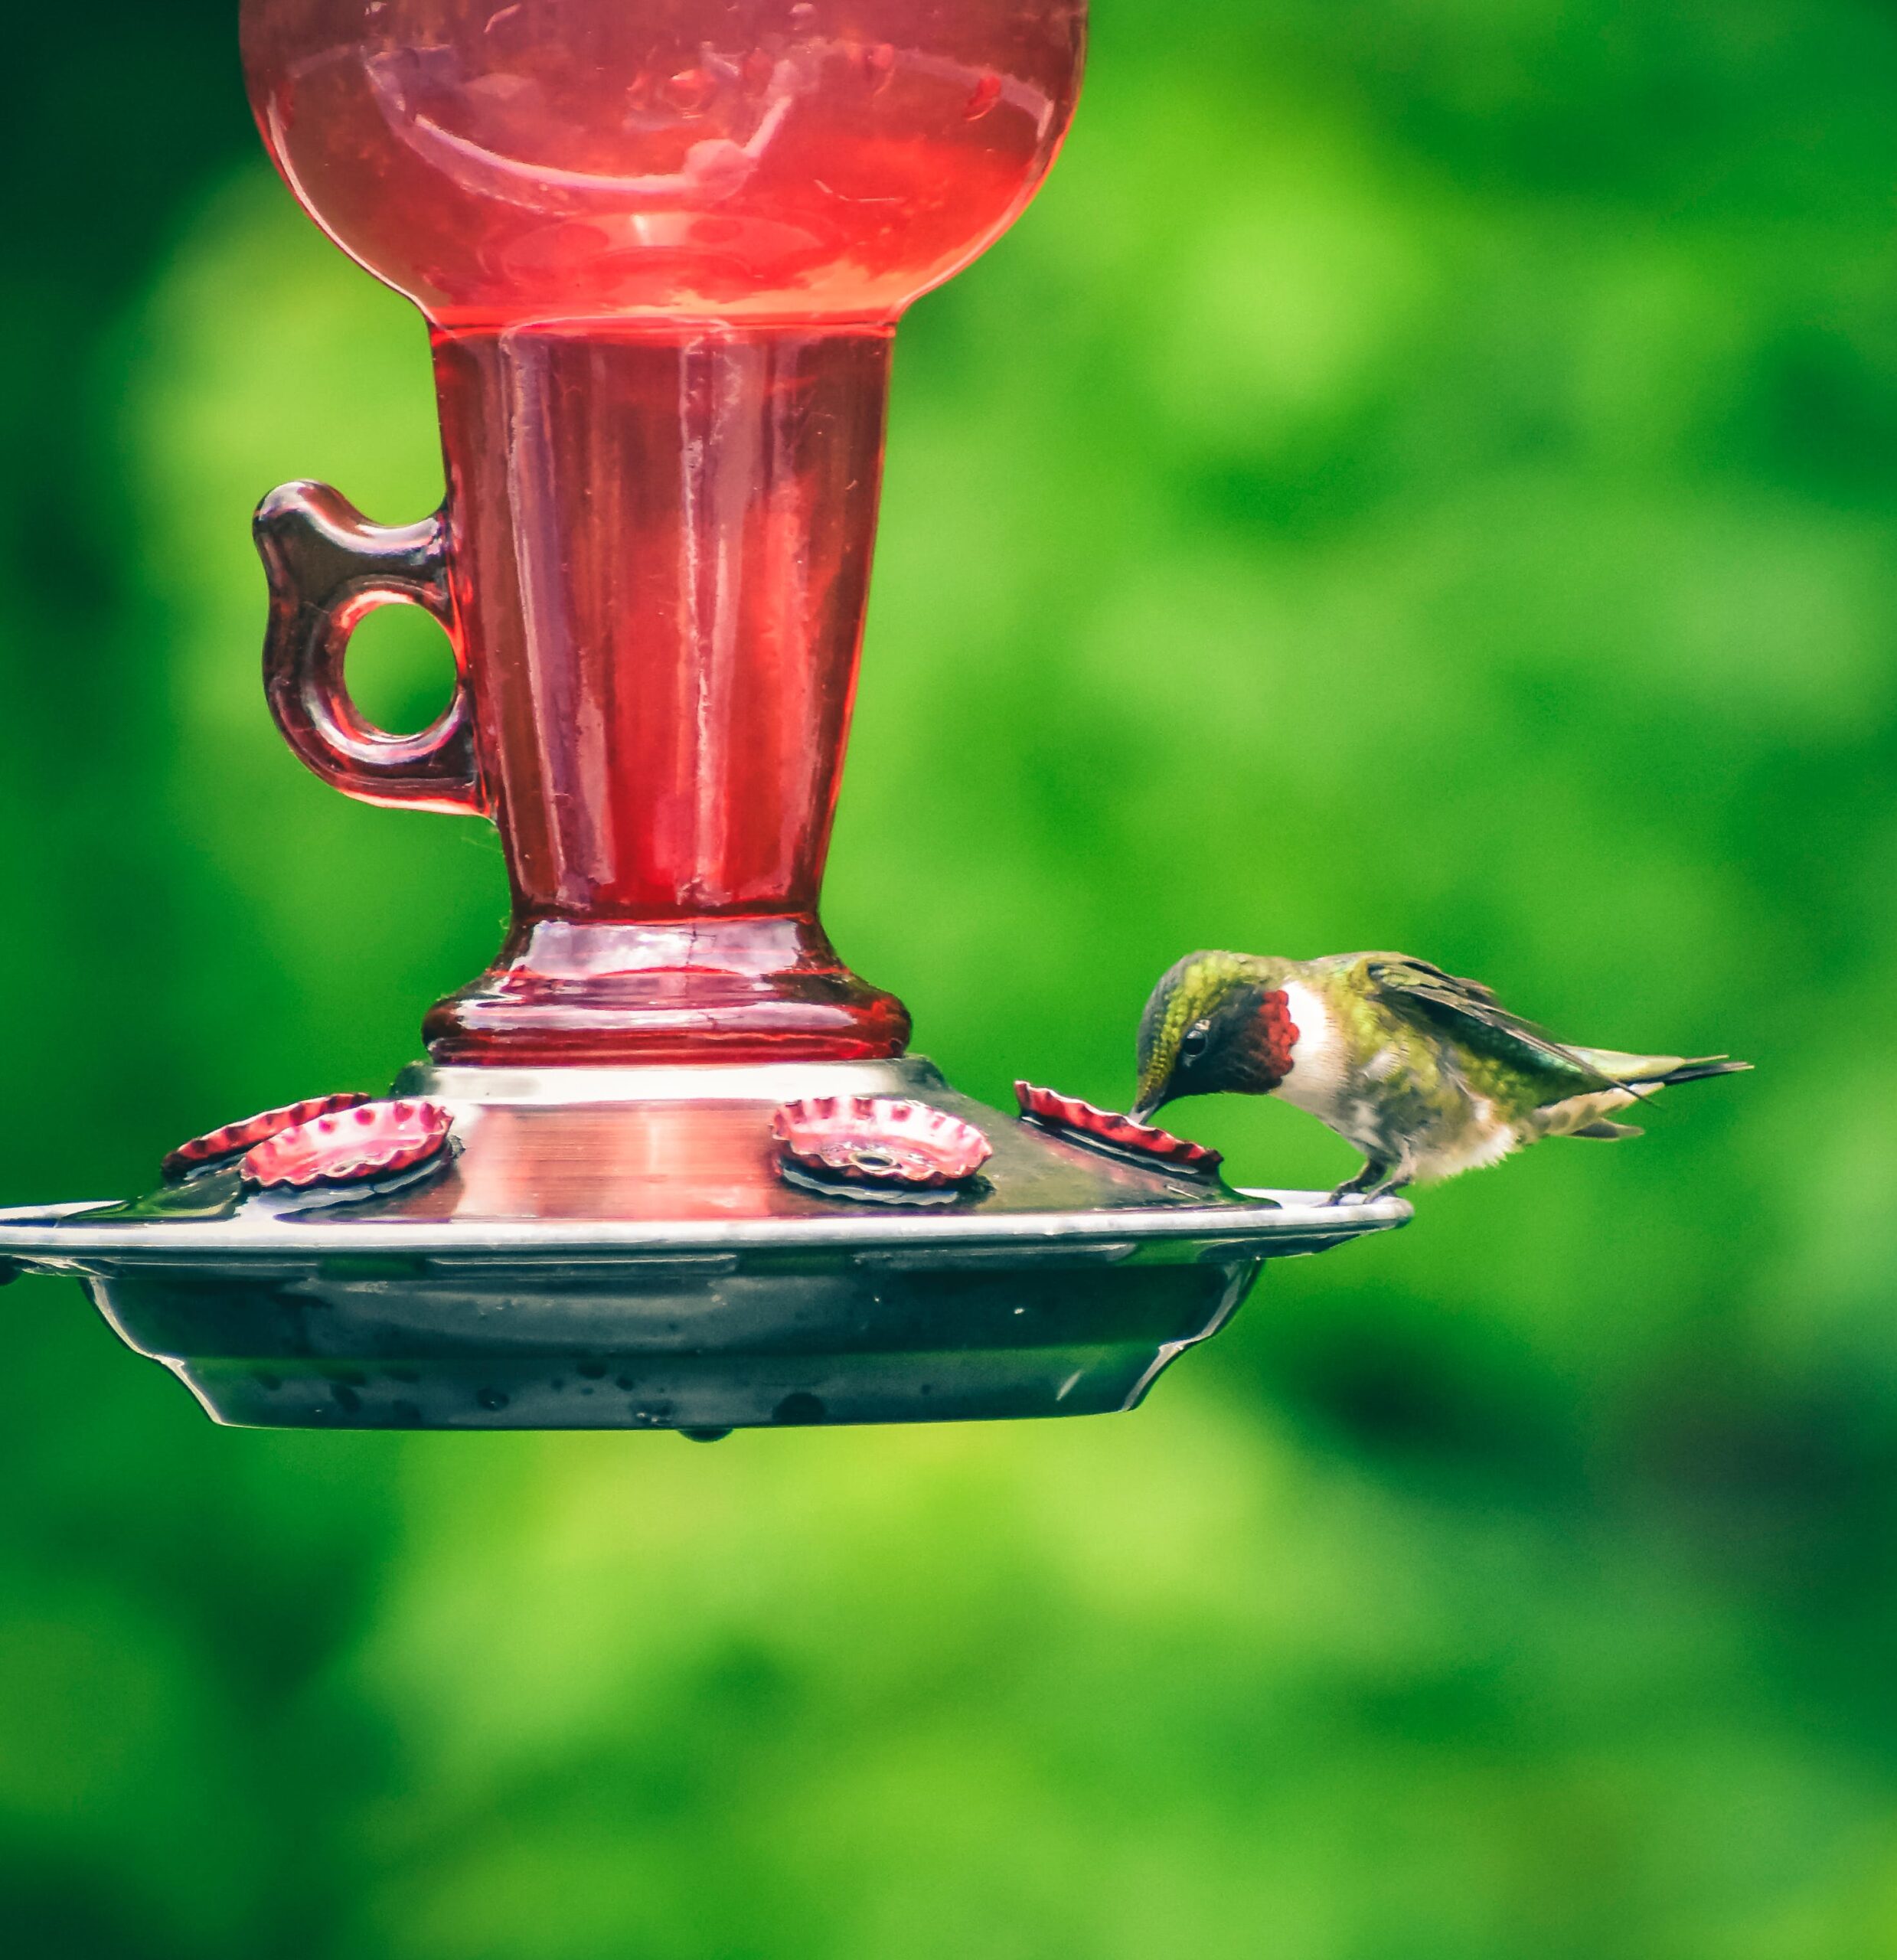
661,245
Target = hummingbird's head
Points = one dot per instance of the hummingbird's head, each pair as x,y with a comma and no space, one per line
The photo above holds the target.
1216,1022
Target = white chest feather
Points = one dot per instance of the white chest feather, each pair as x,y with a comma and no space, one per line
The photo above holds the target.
1316,1083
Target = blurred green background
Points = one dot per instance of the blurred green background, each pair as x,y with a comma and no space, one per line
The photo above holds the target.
1424,475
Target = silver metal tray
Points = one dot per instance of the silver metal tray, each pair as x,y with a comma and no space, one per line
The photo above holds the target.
614,1248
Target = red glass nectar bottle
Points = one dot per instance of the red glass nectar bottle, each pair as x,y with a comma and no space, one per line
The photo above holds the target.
662,246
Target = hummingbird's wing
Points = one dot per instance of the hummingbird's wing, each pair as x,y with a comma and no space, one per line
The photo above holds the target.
1468,1011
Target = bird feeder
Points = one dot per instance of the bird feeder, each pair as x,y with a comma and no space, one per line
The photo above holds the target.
668,1163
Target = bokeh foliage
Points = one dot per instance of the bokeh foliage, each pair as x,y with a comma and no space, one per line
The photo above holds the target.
1425,474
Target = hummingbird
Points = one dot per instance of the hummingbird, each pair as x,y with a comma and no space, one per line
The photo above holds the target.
1426,1074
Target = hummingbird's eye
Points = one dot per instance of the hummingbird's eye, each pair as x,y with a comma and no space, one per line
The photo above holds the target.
1192,1043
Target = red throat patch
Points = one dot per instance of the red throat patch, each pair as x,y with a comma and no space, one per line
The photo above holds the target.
1277,1033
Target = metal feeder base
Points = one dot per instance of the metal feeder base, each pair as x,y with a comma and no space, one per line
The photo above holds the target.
614,1248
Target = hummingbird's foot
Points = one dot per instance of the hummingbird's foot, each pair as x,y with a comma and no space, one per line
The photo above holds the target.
1372,1180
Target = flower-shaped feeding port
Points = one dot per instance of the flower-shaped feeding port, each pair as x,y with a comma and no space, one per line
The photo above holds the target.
216,1148
349,1146
1107,1129
883,1148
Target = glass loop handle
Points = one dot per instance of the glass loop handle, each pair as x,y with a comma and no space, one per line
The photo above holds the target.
327,566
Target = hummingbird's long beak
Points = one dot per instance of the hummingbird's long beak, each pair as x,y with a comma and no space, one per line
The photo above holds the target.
1149,1093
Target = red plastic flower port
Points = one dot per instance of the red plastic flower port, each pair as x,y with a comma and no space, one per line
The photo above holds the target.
371,1140
234,1139
1108,1129
879,1140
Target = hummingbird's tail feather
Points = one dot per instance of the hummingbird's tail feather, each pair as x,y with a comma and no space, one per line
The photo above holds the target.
1706,1065
1645,1072
1631,1080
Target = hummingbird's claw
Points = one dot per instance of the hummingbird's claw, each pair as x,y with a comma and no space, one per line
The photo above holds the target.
1372,1181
